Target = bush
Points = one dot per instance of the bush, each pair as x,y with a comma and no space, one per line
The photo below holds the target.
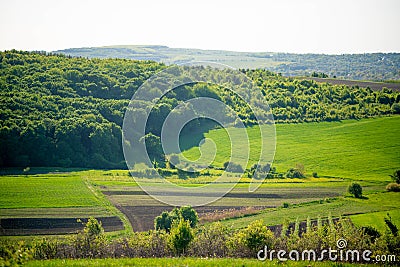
189,214
14,254
91,241
147,244
294,173
396,176
233,167
45,249
166,219
247,242
315,175
371,231
393,187
356,190
181,235
210,241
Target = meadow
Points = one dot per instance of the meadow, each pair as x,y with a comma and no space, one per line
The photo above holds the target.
362,150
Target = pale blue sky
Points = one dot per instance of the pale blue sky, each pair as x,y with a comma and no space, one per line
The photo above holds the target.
310,26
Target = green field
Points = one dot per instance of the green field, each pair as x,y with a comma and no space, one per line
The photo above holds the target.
336,207
46,191
360,150
375,219
365,150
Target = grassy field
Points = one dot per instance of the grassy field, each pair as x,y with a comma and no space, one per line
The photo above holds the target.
342,206
340,152
359,150
178,262
55,195
46,191
375,219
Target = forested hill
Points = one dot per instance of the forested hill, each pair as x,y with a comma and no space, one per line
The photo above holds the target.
57,110
373,66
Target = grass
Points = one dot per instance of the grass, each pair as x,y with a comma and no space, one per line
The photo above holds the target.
177,262
45,191
361,150
341,206
57,195
376,219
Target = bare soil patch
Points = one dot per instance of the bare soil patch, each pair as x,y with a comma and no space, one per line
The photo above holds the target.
49,226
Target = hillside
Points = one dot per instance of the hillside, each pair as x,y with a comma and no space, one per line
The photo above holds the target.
362,150
377,66
64,111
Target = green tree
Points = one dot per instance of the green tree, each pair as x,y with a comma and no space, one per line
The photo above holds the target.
181,235
356,190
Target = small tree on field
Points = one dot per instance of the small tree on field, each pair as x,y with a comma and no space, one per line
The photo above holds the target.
356,190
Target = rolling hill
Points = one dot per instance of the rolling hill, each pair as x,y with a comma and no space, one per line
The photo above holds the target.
376,66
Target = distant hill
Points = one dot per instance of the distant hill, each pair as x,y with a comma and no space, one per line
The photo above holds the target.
375,67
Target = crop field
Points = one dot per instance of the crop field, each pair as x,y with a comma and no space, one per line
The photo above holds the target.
50,203
340,152
373,85
342,206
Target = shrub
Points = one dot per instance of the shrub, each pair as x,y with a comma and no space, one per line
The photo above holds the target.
285,205
247,242
45,249
147,244
371,231
14,253
166,219
294,173
233,167
181,235
396,176
315,175
189,214
393,187
210,241
91,241
356,190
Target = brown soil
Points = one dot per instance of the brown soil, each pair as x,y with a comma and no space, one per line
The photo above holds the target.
49,226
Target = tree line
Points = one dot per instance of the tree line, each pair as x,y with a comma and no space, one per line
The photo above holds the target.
63,111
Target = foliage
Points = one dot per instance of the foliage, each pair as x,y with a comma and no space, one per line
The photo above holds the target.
392,227
356,190
181,235
210,241
396,176
61,111
14,253
91,241
233,167
166,219
254,237
213,240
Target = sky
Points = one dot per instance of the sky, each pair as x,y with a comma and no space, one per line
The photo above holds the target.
295,26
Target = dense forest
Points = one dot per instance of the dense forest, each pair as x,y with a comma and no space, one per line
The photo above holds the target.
65,111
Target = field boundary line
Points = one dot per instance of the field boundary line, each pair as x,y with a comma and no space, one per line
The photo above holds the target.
108,205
